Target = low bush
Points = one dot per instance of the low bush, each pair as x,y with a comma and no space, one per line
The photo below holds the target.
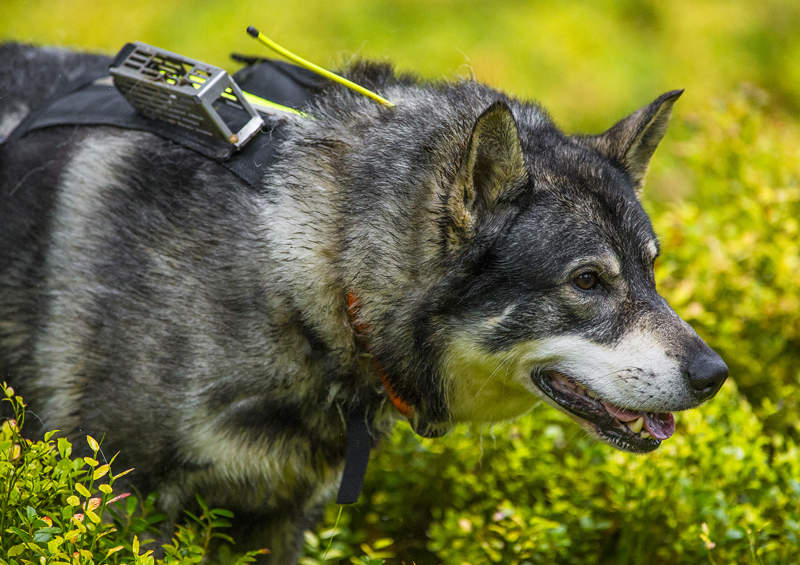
60,510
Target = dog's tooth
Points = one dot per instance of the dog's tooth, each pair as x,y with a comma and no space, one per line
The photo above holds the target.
636,425
645,435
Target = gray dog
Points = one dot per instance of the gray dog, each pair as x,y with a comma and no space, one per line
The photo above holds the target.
455,258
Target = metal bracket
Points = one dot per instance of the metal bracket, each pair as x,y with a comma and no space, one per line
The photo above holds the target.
170,87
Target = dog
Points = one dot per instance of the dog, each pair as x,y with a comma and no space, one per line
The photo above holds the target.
455,258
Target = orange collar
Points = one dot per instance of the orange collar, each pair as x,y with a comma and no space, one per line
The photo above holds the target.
361,329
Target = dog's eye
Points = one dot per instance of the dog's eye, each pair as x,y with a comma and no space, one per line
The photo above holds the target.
586,280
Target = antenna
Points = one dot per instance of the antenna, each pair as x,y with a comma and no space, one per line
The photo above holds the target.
316,68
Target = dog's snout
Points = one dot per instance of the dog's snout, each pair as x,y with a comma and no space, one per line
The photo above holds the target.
707,371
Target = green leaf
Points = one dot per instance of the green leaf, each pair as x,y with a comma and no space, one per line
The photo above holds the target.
193,517
201,502
113,550
130,504
93,445
15,550
155,518
42,537
54,544
93,516
100,472
122,474
23,535
224,537
64,447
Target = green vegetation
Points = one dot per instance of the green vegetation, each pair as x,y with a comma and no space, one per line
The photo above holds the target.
57,509
724,194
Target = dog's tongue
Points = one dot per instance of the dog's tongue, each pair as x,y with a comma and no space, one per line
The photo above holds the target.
660,425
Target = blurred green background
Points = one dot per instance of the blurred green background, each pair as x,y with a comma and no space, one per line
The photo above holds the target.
724,194
587,62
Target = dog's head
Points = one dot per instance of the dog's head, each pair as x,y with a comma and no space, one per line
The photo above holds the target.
554,294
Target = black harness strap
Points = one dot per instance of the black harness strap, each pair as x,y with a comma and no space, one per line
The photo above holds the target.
102,105
359,444
84,102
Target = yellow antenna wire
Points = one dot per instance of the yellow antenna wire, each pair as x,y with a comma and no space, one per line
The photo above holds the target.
316,68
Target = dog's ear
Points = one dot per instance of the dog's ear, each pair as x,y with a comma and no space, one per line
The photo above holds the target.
632,140
492,171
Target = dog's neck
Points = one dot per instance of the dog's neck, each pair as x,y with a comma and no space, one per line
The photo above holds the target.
360,330
359,441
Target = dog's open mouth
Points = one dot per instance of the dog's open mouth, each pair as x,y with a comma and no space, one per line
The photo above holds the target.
629,430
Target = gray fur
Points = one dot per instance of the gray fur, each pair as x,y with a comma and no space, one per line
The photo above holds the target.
149,296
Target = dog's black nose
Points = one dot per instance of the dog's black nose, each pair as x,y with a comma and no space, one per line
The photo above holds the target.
707,372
